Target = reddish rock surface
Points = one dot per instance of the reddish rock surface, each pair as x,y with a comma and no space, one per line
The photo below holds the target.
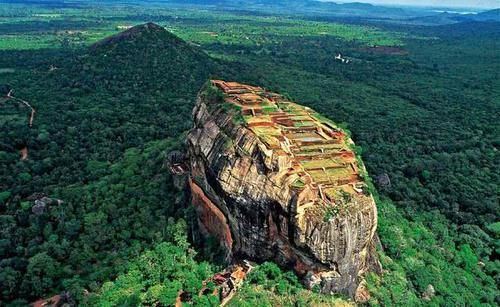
210,216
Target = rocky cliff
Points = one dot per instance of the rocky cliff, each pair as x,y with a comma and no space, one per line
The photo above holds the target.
273,180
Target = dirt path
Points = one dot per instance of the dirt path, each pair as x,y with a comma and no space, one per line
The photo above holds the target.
32,116
24,150
24,153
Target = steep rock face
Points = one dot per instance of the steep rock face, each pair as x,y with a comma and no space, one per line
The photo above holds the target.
273,180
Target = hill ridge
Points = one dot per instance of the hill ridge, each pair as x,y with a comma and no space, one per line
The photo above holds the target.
145,30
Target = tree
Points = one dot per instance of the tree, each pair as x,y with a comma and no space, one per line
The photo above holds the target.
42,273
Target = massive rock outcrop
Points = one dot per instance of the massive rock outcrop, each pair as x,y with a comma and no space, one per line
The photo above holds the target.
273,180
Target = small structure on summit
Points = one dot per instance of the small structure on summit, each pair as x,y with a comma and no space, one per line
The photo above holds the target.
274,180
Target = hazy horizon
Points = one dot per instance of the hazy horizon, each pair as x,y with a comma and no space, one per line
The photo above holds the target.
480,4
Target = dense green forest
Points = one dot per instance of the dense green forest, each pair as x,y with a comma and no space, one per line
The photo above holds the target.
103,156
422,103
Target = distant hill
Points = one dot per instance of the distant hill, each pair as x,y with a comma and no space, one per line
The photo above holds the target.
486,29
358,5
491,15
145,56
353,9
438,19
449,18
312,8
134,34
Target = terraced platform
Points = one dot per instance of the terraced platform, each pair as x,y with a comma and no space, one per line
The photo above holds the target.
316,153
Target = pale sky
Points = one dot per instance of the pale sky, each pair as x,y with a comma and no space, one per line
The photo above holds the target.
488,4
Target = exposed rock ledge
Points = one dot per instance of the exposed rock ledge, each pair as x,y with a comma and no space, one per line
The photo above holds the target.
273,180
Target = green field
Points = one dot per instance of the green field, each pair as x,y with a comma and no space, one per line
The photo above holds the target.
71,27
